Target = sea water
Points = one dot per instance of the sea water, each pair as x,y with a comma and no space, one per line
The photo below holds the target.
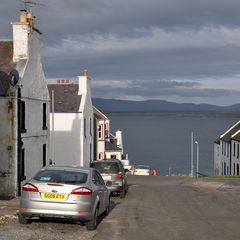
163,141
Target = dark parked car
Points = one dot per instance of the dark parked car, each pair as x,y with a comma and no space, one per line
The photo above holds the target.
112,170
66,193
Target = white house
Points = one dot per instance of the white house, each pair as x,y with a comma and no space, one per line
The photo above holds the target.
217,157
226,151
72,121
114,147
235,153
106,145
24,107
101,133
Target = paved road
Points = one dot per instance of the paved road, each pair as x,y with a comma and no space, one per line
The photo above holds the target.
155,208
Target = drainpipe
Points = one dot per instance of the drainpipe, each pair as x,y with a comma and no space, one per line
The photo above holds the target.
53,135
230,155
19,141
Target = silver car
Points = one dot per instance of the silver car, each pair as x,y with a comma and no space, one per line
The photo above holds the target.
143,170
65,192
112,170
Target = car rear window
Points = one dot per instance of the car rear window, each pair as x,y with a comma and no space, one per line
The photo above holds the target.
106,167
143,167
61,176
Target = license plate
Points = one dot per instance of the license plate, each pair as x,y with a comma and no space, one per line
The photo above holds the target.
55,196
106,178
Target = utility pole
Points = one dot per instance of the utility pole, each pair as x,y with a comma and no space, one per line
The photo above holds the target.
196,142
191,154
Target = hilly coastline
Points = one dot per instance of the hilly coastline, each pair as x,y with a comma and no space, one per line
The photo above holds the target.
156,106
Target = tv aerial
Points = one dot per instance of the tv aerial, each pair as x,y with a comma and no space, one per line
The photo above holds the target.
30,4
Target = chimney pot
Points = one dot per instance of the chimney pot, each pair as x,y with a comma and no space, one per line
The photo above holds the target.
30,19
85,72
23,16
34,22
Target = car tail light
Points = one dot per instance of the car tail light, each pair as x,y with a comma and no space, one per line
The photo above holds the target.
82,191
120,175
28,187
84,212
23,209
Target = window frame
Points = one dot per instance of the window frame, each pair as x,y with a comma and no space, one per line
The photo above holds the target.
44,113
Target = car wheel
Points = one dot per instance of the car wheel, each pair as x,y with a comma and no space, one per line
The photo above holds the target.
106,212
123,194
92,225
23,220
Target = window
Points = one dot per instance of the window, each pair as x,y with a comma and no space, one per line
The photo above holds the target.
96,179
90,126
61,176
227,149
100,179
114,156
44,155
22,165
22,117
234,149
238,151
90,151
106,167
100,129
44,116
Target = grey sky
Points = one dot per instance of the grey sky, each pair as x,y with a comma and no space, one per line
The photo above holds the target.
175,50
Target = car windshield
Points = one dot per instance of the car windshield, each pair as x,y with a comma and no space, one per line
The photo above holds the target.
106,167
143,167
61,176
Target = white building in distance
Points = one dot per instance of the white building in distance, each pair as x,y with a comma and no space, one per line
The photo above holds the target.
226,152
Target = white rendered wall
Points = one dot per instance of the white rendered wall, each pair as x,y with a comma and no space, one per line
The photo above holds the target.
66,139
217,160
236,157
225,158
87,109
119,139
34,93
8,148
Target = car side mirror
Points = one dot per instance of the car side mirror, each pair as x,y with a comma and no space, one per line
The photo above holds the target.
108,183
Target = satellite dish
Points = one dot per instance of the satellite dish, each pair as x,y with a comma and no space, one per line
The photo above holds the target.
14,77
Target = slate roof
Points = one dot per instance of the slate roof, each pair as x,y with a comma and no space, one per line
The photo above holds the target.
66,98
231,131
111,147
236,137
6,65
98,114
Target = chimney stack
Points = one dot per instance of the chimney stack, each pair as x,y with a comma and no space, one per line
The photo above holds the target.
84,83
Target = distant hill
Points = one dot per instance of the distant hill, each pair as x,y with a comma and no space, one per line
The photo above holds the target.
114,105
